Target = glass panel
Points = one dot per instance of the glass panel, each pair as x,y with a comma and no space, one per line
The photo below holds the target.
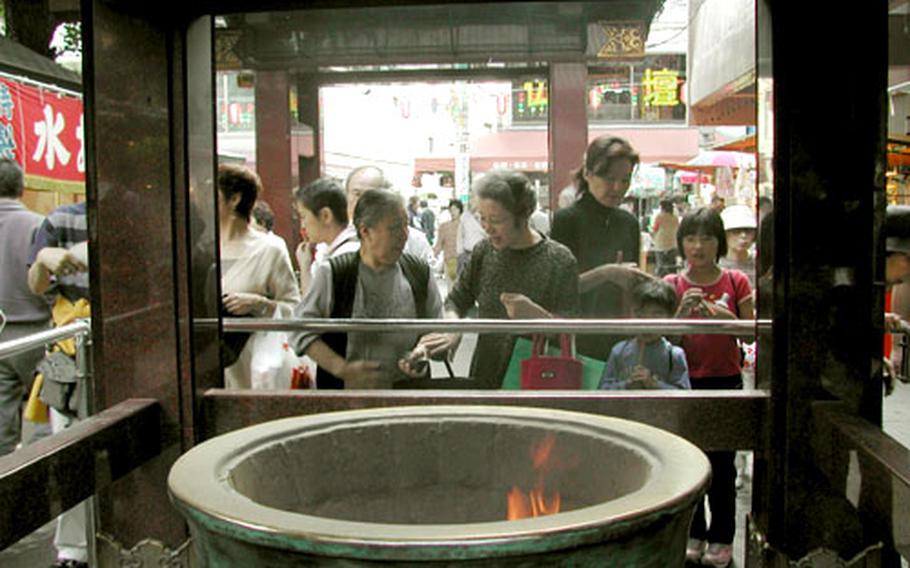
465,89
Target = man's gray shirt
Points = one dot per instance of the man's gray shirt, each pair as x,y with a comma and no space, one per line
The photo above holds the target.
18,226
385,294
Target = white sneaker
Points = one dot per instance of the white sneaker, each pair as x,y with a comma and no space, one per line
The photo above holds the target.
694,550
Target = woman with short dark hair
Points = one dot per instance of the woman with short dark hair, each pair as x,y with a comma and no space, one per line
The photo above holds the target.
240,187
257,278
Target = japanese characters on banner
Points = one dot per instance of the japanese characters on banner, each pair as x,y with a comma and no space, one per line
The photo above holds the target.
42,129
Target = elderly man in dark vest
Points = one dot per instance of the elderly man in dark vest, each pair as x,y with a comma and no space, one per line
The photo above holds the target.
378,281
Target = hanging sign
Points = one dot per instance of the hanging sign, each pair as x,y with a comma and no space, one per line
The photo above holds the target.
661,87
42,129
621,40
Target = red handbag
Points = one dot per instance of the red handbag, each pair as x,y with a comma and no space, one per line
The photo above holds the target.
545,372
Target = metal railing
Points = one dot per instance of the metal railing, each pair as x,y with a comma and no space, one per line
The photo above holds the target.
80,328
740,328
49,454
81,331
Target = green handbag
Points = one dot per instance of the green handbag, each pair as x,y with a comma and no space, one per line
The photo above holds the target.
592,369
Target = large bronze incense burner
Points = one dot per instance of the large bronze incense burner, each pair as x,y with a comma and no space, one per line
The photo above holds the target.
478,485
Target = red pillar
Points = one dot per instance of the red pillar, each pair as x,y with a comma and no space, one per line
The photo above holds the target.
568,124
273,149
310,164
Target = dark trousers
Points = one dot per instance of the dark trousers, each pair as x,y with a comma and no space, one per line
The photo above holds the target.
666,262
722,493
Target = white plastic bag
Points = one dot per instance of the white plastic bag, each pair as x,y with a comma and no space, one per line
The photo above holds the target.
272,361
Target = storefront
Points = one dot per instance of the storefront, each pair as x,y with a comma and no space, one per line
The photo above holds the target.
41,126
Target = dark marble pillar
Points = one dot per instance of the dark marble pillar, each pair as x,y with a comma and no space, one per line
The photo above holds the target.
568,124
143,235
273,148
828,260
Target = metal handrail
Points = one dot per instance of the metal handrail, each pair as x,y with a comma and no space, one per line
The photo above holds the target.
29,342
740,328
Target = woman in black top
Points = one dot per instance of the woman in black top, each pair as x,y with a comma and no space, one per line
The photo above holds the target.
598,232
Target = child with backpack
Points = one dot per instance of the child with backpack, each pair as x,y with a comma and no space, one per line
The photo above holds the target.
648,361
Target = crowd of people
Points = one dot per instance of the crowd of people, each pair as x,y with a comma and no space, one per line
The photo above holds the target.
366,253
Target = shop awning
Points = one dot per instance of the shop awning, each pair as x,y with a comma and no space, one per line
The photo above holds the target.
527,150
42,129
18,60
745,144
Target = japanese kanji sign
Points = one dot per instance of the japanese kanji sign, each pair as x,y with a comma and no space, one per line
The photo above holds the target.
43,130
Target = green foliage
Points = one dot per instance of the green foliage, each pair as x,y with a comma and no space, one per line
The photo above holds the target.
72,39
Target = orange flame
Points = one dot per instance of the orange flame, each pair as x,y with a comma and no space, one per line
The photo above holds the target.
519,505
535,502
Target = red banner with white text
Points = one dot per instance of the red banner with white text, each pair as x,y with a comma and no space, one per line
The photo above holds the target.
42,129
